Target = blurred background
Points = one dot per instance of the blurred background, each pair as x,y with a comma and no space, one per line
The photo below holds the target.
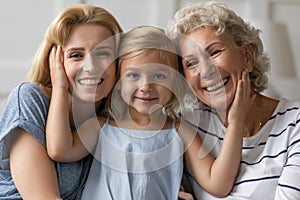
23,24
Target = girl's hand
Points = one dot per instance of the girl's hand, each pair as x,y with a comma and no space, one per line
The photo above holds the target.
182,195
57,70
244,97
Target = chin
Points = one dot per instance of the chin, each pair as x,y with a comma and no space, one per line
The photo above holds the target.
87,98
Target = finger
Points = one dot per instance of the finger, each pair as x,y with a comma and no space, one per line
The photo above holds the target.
59,55
52,56
245,84
185,195
239,90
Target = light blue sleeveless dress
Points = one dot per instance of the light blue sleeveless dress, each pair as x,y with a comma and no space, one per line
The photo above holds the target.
136,165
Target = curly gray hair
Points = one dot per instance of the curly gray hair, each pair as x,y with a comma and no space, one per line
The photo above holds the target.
220,17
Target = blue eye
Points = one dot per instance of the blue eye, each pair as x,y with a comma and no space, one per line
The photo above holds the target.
159,76
103,53
133,75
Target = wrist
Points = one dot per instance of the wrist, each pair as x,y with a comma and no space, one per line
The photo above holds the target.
236,125
60,91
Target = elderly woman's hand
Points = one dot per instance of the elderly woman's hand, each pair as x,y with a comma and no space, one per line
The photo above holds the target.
243,100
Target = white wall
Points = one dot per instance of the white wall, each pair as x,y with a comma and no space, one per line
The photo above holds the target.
23,24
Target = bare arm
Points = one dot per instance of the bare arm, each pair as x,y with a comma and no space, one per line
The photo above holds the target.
62,144
32,170
217,175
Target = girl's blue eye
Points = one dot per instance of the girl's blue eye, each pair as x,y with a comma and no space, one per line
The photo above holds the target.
133,75
159,76
103,53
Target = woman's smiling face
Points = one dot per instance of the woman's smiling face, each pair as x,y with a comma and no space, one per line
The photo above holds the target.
89,62
212,65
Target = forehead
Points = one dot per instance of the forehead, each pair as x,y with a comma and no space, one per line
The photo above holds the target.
202,39
155,58
89,36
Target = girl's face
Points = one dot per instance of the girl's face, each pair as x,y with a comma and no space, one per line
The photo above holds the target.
145,83
213,64
89,62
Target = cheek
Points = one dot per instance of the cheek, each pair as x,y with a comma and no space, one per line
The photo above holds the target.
127,90
192,79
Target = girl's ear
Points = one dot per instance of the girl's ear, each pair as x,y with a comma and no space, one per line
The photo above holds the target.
249,57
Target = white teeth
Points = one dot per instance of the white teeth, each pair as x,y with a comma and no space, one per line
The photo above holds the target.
90,81
217,85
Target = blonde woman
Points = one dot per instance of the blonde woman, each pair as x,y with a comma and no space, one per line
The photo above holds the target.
26,171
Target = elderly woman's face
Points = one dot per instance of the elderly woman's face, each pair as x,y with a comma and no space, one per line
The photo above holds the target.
212,65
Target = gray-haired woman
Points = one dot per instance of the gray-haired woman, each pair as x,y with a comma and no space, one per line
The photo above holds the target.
216,45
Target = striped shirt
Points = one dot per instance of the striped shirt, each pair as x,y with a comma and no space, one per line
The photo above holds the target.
270,165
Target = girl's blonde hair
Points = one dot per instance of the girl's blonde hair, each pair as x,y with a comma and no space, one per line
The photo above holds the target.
216,15
58,33
144,40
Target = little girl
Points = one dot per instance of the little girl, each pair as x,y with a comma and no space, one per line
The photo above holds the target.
139,152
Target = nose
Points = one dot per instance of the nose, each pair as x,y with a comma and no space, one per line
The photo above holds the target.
145,85
206,67
88,65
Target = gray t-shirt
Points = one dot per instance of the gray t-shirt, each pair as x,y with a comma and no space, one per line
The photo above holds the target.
27,108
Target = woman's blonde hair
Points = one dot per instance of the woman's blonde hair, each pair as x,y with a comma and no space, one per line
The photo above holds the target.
218,16
144,40
58,33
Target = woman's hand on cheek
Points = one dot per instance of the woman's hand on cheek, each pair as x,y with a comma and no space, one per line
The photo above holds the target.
243,100
57,70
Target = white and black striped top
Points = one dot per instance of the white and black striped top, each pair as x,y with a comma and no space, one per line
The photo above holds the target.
270,165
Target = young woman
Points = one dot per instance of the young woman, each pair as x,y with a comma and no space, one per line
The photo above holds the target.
139,154
26,171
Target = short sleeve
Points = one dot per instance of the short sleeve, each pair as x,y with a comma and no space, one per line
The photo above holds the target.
26,108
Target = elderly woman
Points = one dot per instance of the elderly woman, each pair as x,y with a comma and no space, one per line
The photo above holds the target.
216,45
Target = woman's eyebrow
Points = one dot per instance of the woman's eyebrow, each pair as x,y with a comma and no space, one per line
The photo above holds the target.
75,49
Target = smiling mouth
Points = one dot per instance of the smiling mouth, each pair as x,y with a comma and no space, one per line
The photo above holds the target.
217,86
146,99
91,82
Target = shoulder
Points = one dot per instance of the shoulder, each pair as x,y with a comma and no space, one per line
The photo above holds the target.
201,116
27,101
287,108
26,107
26,87
289,103
26,92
